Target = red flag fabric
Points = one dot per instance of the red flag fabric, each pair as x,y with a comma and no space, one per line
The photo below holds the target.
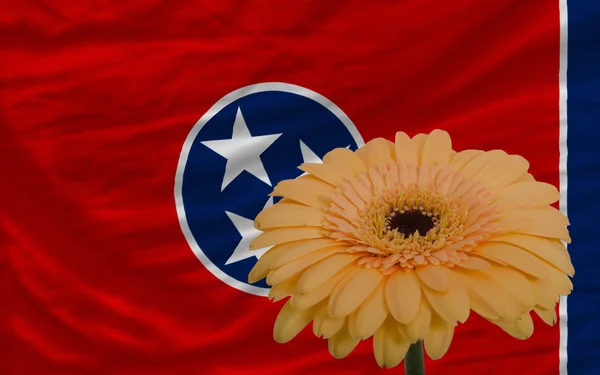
97,99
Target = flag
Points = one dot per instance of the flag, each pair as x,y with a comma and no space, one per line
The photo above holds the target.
139,139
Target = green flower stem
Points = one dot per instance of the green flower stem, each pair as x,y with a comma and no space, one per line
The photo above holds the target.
414,361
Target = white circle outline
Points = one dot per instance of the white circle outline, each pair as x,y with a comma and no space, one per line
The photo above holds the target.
187,145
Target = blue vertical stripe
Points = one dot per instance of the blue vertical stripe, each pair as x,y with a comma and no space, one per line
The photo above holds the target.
583,194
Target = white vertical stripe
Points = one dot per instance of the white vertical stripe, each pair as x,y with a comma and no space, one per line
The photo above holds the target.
562,105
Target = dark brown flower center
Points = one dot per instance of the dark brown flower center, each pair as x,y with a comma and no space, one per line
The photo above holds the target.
409,222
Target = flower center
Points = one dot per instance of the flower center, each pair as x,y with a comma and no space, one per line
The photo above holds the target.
410,222
414,222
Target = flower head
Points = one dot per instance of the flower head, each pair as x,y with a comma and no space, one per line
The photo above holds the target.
400,241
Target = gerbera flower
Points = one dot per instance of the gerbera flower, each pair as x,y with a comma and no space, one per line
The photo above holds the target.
400,241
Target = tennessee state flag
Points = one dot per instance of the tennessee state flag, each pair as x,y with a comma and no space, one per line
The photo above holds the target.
139,139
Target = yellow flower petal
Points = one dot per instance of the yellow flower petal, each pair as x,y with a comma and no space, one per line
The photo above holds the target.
353,290
561,282
292,268
444,180
325,172
288,215
427,174
341,344
453,304
550,250
302,248
525,178
545,222
282,235
371,314
324,325
351,321
402,330
403,295
515,284
392,179
389,346
473,263
547,315
438,339
363,188
544,293
342,225
514,256
408,173
375,152
418,328
520,328
307,190
290,322
487,258
481,160
302,301
487,297
482,308
405,149
351,193
461,159
527,194
549,212
262,268
433,276
319,273
502,171
437,148
343,206
348,162
419,143
283,289
377,181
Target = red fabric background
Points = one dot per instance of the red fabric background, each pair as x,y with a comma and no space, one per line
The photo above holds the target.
96,99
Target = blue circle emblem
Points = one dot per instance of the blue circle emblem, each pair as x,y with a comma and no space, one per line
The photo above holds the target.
235,154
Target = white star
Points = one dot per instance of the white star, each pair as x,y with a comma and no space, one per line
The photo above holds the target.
249,233
308,155
242,151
